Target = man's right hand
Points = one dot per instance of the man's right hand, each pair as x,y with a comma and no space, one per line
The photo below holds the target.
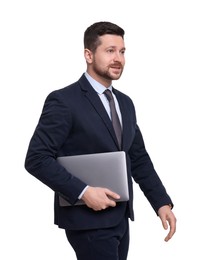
99,198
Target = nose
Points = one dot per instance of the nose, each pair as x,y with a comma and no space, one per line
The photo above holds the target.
118,56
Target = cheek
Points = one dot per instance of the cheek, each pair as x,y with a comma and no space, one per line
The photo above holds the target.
102,63
102,60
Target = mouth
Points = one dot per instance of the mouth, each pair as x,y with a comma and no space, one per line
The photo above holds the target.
118,66
116,69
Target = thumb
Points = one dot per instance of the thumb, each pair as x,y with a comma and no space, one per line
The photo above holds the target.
164,224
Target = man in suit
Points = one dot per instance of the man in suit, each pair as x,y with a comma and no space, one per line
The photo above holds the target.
77,120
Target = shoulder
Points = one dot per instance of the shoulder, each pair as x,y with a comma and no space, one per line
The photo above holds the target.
71,91
67,93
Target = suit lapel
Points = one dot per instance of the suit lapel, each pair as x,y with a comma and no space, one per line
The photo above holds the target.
94,99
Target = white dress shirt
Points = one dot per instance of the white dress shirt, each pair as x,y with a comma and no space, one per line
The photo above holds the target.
99,88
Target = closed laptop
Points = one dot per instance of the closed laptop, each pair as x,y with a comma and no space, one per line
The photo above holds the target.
107,170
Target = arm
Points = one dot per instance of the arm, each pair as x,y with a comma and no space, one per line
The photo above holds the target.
50,134
145,175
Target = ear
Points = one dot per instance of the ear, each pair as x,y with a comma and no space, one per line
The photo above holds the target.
88,56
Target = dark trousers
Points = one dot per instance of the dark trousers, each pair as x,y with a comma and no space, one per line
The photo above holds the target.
101,244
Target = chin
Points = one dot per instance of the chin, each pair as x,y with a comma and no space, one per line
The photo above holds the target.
115,77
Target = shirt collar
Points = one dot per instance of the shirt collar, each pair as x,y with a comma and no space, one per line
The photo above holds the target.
99,88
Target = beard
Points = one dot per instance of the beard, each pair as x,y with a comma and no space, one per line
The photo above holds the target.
108,73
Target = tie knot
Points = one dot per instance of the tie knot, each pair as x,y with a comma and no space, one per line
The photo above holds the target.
108,94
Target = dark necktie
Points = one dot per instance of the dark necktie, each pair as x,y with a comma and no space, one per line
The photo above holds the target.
114,116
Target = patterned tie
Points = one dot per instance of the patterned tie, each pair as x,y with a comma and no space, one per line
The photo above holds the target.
114,116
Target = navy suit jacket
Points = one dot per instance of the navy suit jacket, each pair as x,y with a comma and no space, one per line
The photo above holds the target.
74,121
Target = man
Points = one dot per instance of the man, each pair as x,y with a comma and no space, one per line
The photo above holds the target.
77,120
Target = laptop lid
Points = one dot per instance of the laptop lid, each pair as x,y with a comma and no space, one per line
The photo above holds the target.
106,170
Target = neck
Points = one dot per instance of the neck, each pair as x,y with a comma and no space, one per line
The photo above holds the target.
105,82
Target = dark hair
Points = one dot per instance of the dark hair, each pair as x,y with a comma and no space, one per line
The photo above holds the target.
92,33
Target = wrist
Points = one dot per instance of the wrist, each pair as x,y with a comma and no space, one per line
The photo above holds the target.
170,206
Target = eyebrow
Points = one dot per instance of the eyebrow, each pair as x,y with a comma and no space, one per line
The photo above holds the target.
114,47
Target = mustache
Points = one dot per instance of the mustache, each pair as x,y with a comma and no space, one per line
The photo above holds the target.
116,64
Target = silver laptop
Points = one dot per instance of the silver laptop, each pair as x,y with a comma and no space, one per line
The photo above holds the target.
106,170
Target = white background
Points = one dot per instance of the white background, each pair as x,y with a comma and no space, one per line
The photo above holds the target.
41,49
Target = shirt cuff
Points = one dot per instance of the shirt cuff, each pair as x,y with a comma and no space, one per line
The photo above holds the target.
81,194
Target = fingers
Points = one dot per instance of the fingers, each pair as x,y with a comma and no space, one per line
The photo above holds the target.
168,237
110,198
172,224
168,220
99,198
165,226
170,234
112,194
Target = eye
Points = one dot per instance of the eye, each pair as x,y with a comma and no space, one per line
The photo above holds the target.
110,50
122,52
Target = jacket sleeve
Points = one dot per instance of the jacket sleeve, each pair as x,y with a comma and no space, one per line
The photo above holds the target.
145,175
52,130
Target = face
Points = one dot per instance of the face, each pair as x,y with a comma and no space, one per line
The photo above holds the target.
107,63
